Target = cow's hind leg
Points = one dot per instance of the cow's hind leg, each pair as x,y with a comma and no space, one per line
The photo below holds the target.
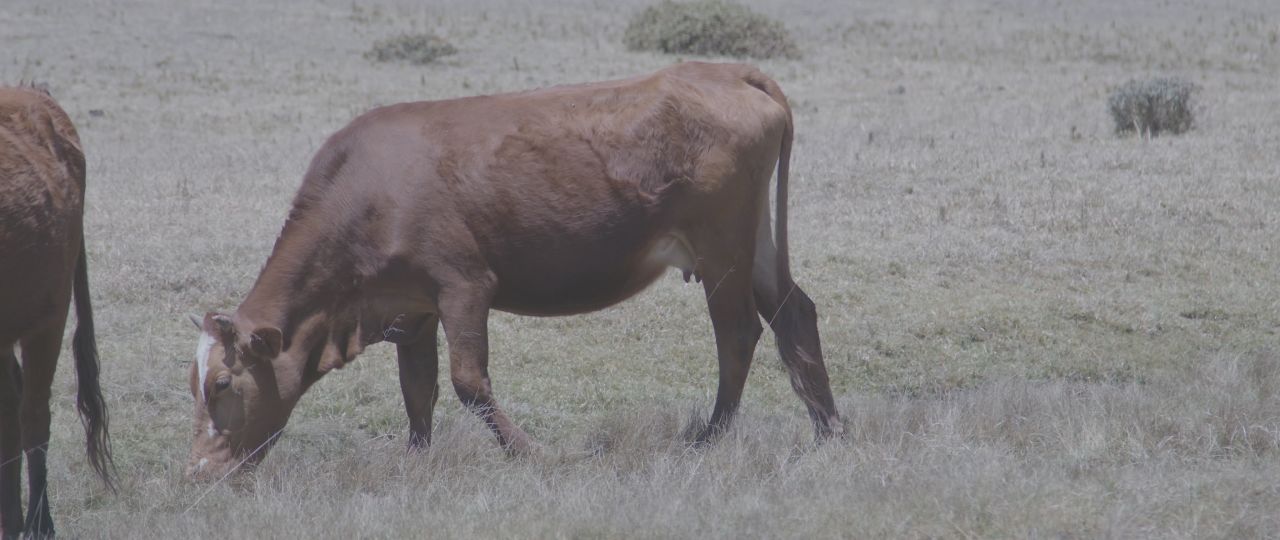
39,360
794,320
726,281
10,445
419,370
464,312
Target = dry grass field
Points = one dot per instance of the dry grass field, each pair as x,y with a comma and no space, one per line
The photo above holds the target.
1035,328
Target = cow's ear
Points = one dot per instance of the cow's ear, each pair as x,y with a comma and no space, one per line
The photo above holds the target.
265,342
221,326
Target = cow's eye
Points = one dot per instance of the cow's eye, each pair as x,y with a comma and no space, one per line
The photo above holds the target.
222,383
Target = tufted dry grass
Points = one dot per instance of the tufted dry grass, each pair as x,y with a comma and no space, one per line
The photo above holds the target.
1153,106
416,49
708,27
1011,458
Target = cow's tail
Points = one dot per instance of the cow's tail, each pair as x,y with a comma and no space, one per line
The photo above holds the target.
84,348
89,401
784,169
767,85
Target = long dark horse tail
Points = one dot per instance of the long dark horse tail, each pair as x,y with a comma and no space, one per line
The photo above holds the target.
93,409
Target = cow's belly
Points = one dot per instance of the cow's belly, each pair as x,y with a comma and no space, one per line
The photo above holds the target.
551,283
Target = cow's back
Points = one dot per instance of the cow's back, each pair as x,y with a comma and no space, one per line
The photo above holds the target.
632,140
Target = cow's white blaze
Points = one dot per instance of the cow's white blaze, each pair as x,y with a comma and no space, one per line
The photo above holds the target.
202,359
213,431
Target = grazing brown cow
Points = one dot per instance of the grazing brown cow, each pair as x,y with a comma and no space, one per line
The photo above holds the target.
42,262
550,202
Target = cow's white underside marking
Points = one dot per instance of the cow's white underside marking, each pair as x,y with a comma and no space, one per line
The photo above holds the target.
202,359
673,250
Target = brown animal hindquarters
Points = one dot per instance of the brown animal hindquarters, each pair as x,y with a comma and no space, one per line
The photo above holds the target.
42,180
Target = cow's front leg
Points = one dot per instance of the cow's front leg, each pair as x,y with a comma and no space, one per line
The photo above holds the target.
464,313
419,367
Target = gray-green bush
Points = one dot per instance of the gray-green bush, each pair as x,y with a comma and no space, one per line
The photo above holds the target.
414,48
708,27
1153,106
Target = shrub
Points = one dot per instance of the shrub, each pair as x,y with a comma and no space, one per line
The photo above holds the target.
415,48
708,27
1153,106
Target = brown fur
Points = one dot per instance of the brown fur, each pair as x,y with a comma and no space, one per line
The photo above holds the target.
550,202
42,266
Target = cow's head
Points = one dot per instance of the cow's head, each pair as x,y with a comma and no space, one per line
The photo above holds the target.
243,398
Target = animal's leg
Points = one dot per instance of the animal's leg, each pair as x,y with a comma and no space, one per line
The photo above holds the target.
794,320
39,360
10,446
419,367
464,312
737,329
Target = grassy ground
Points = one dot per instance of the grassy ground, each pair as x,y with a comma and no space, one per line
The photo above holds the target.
1035,328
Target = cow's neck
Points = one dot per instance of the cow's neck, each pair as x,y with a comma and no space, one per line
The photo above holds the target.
310,288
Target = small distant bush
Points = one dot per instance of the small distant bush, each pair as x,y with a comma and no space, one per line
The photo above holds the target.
1153,106
708,27
414,48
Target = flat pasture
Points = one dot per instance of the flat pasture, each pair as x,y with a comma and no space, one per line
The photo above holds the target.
1034,327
